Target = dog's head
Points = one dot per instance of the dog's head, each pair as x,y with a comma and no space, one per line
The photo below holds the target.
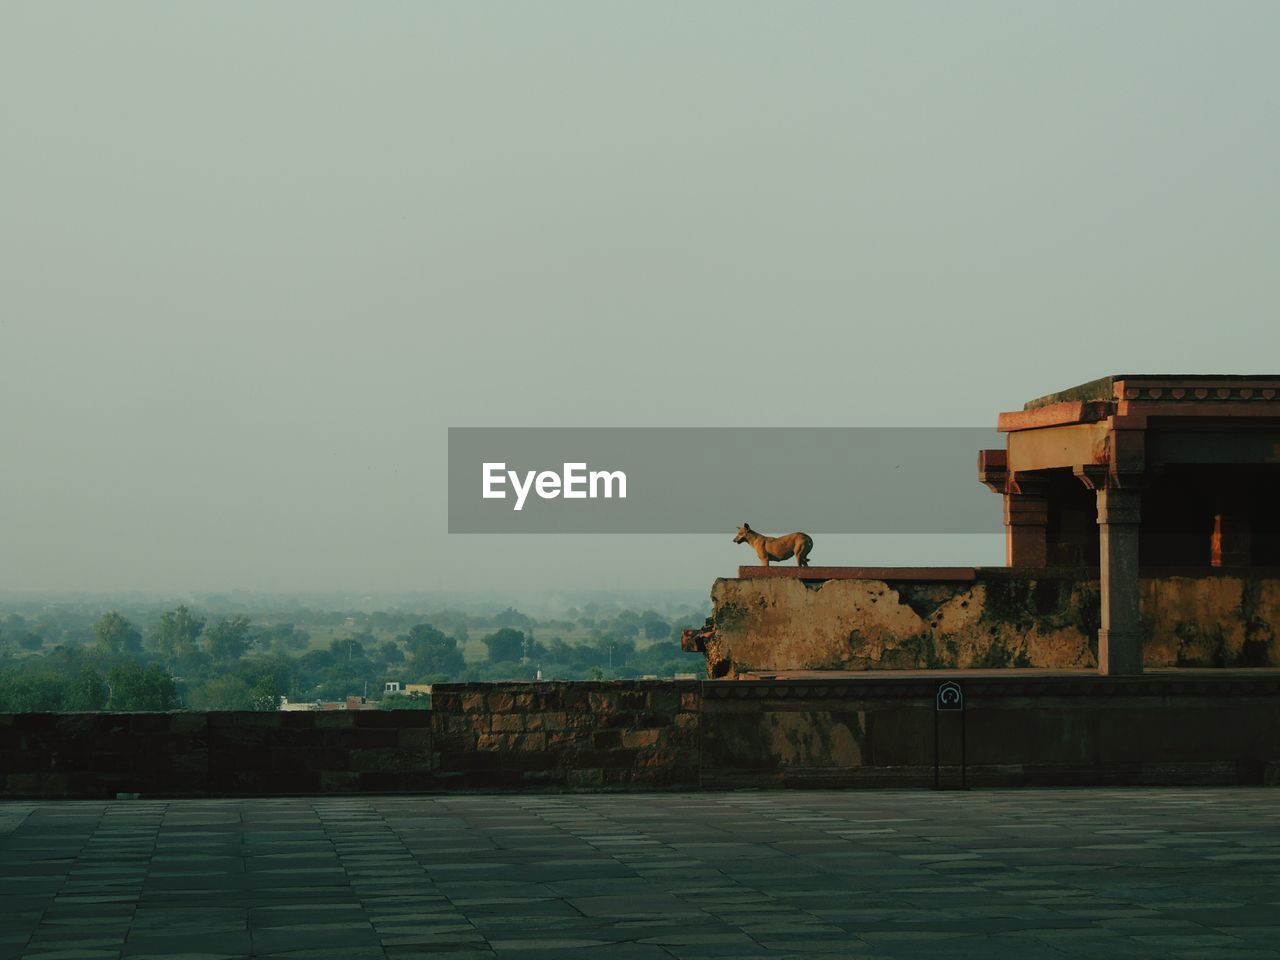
742,533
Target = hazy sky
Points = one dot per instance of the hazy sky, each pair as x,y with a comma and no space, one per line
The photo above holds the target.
256,258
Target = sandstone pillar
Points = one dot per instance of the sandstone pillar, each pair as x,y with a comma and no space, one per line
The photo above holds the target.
1120,639
1026,522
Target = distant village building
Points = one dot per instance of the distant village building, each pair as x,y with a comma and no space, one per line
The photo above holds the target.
351,703
394,688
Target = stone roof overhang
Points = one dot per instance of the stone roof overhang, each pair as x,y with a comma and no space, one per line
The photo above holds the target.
1101,425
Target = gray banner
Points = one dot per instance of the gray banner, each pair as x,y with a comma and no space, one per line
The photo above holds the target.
711,480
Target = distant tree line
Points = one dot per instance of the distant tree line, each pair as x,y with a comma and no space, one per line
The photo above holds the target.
183,659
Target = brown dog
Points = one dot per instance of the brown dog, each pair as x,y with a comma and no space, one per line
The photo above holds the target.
795,545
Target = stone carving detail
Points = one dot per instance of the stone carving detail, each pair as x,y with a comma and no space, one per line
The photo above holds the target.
1147,392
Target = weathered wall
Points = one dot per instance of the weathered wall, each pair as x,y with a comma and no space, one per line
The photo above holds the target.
1018,730
639,734
557,735
1214,621
1196,727
1003,619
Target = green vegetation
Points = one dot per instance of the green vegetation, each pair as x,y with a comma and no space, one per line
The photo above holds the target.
80,657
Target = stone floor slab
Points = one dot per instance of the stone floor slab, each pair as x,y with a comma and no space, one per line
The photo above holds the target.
857,874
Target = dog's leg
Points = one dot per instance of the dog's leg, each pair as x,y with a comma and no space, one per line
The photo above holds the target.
802,555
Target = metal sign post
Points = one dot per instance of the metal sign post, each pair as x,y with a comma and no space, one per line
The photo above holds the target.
950,699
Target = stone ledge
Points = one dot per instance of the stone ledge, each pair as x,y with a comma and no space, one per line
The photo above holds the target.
1054,415
921,776
950,574
922,684
971,574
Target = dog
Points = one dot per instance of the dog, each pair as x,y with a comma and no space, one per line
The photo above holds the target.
795,545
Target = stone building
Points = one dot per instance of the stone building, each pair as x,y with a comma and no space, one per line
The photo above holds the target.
1142,522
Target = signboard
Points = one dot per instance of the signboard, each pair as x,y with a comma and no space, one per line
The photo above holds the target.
950,696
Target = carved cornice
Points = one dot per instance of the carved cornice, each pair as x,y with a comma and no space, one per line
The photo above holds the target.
1186,390
1092,475
993,469
1100,476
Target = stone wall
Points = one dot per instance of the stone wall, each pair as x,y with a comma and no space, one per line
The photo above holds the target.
593,735
1001,618
194,754
873,729
1018,729
102,754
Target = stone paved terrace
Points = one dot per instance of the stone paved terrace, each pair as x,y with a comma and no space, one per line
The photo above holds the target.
1178,872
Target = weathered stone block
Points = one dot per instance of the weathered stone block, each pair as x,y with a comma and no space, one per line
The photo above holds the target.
664,700
493,742
585,778
445,701
414,738
526,742
556,720
499,703
640,738
465,723
786,738
506,723
606,739
568,739
602,702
